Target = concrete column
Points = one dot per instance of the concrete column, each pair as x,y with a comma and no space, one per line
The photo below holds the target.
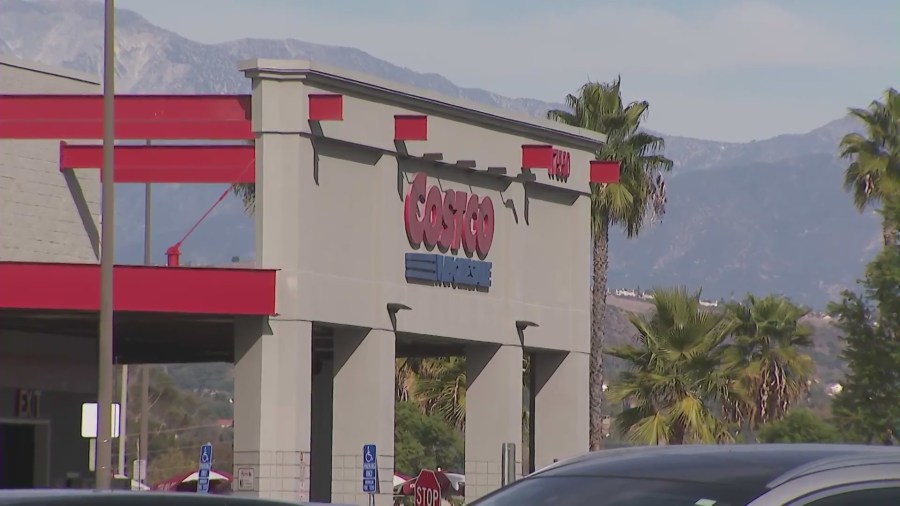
363,412
493,414
272,395
273,369
560,406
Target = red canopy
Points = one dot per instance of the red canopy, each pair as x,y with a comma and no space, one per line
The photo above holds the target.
219,482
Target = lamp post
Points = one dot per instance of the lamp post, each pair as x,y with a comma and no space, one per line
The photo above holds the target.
145,369
103,478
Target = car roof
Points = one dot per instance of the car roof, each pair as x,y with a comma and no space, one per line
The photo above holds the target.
756,465
124,497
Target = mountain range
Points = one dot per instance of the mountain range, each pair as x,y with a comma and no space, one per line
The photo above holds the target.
764,216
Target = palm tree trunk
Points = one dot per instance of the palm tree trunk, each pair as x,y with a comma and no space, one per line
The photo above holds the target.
889,233
600,263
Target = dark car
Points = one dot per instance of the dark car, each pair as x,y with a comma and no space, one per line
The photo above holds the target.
70,497
711,475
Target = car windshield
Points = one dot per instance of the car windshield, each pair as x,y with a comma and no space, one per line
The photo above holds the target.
614,491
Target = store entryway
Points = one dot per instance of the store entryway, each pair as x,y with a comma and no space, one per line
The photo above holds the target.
23,455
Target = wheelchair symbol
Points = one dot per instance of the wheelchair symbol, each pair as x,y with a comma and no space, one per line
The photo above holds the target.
369,457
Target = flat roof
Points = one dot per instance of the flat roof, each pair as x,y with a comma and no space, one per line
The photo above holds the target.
418,98
33,66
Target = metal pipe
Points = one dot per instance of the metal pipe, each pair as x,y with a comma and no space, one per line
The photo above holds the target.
123,421
508,464
145,369
103,477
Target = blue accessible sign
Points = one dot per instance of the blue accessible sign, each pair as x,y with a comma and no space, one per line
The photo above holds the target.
369,469
206,455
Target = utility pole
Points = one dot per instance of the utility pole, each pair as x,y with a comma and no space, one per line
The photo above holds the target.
123,421
103,478
145,369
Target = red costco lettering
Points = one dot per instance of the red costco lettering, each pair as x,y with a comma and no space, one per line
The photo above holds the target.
448,219
561,165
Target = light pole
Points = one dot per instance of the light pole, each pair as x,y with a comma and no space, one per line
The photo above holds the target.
145,368
103,478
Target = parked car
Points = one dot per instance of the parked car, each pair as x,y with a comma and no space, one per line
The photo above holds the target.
72,497
714,475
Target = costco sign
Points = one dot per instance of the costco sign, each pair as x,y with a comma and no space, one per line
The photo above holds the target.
447,221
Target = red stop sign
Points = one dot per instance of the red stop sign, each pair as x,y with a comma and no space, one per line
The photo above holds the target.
427,490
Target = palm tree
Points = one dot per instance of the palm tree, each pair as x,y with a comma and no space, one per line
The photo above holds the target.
436,385
639,195
247,193
873,175
767,349
676,377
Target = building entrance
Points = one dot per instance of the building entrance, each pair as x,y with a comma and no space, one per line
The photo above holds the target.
17,455
24,457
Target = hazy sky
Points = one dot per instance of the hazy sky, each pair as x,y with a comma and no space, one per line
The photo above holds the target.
717,69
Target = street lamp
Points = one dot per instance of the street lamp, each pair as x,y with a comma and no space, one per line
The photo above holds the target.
103,478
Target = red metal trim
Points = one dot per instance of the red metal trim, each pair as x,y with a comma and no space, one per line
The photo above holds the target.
410,127
219,117
537,156
326,107
543,156
167,164
604,171
187,290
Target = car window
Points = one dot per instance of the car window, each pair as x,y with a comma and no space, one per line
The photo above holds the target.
885,496
609,491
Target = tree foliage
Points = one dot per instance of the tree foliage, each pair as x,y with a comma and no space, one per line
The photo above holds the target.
799,426
180,422
424,441
676,378
436,385
868,406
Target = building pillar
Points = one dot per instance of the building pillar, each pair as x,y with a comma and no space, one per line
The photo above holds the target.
272,395
493,414
273,356
363,412
560,406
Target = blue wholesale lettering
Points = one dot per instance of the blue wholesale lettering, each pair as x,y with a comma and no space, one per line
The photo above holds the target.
448,270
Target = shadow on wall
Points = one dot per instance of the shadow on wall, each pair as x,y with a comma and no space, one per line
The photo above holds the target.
84,211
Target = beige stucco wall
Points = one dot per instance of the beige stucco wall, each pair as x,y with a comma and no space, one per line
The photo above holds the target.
45,216
345,217
330,217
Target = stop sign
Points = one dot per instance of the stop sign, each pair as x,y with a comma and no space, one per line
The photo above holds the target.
427,490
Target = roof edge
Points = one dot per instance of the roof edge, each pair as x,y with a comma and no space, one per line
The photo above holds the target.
390,91
52,70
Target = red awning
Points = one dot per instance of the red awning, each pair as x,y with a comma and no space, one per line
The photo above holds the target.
185,290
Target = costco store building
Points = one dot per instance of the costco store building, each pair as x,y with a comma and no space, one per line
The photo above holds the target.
390,222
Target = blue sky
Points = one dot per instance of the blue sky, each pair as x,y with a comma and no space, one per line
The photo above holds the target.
718,69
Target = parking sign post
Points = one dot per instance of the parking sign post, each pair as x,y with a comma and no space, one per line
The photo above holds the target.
370,472
206,455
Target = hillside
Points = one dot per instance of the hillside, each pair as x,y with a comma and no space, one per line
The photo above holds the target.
775,227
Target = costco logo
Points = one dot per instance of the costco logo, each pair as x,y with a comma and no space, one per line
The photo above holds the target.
448,221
